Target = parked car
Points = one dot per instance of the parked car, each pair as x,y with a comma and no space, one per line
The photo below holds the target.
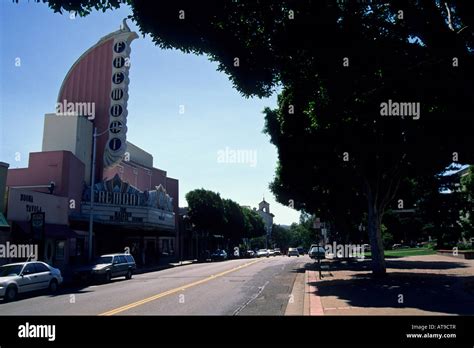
300,250
271,252
263,253
250,253
110,266
317,252
293,252
219,255
24,277
277,251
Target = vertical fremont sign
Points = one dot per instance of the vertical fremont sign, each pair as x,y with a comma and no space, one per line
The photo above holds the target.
116,145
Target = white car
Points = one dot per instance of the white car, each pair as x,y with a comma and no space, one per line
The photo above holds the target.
262,253
293,252
29,276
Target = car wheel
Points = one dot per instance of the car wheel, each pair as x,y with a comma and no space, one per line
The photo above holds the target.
108,276
10,293
129,274
53,285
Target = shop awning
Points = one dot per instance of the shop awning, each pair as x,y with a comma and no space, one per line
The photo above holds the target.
51,230
3,221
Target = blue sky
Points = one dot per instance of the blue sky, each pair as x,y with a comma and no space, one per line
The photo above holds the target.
186,145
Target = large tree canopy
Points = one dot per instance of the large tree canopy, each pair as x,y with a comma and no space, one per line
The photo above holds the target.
336,63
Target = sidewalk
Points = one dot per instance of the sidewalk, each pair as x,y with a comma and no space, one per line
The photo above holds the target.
416,285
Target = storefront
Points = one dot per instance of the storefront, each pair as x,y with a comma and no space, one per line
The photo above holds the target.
42,219
125,218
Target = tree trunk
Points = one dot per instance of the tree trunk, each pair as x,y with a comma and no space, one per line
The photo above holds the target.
375,236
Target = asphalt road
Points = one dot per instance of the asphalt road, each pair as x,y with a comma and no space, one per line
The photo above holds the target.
235,287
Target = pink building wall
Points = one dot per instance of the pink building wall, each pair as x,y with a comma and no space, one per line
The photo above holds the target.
62,167
89,80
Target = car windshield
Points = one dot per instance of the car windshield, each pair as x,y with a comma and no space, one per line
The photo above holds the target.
103,259
263,250
10,270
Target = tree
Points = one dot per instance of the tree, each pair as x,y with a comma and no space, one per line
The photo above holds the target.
254,225
234,228
206,210
282,237
467,218
340,64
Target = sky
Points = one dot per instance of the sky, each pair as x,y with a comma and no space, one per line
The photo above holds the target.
39,46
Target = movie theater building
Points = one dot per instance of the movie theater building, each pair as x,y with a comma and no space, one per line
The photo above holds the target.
135,205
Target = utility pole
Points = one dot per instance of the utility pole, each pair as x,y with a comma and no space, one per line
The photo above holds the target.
91,215
91,211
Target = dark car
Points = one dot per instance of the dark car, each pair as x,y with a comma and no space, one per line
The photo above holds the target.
250,253
219,255
110,266
300,250
317,252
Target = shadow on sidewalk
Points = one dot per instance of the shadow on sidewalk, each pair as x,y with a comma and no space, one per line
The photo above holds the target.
365,265
450,294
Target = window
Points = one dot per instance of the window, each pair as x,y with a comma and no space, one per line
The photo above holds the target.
165,246
29,269
60,249
49,252
130,258
41,268
121,259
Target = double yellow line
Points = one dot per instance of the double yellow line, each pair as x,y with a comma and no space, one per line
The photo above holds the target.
175,290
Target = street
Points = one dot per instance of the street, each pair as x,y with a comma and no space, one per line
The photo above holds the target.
234,287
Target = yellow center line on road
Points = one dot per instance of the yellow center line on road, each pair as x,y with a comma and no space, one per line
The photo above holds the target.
175,290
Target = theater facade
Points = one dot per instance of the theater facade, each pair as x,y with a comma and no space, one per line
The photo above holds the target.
135,205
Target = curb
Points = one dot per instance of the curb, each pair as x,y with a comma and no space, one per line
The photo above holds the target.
313,305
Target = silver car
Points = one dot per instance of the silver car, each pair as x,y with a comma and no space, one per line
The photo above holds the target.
22,277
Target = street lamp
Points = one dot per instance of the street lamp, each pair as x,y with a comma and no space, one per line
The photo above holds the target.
91,214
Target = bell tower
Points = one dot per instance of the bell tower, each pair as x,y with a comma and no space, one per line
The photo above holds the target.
264,206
